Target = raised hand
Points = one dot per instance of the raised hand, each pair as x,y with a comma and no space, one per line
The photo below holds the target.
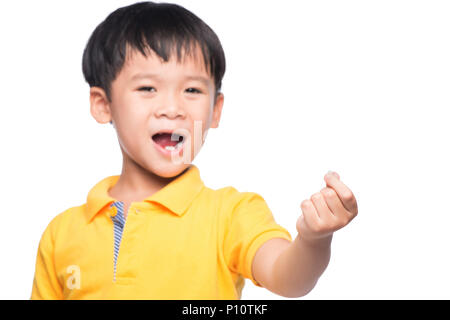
328,210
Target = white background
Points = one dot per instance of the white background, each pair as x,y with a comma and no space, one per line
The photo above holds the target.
358,87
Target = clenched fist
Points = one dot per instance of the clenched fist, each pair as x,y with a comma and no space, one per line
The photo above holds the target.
328,210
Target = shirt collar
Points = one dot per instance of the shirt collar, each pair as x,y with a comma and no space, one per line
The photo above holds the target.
176,196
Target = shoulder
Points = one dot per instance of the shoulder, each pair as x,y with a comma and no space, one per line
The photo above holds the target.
61,221
230,193
235,197
232,201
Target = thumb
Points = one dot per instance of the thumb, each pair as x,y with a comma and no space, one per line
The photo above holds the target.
335,174
330,176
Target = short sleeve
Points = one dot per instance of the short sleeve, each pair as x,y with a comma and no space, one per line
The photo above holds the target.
250,224
45,283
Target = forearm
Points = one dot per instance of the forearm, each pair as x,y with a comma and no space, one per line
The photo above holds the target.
299,266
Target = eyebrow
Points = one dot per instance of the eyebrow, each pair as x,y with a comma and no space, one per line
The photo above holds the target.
140,76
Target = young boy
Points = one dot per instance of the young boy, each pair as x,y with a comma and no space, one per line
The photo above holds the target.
156,231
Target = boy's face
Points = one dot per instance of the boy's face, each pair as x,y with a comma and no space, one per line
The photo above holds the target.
168,101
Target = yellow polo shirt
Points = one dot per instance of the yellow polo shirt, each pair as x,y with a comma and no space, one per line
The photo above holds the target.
185,241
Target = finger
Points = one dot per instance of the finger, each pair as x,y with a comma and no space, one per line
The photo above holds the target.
322,208
344,193
335,174
336,206
310,214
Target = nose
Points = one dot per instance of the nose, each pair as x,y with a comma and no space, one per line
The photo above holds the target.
170,108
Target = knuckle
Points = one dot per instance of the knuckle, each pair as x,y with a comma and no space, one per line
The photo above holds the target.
328,193
348,196
300,222
305,204
316,196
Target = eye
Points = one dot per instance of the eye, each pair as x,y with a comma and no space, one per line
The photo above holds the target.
148,89
193,90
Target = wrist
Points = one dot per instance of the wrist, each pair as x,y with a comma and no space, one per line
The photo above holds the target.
318,242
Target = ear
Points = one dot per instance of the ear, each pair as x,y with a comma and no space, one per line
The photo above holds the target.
217,111
100,106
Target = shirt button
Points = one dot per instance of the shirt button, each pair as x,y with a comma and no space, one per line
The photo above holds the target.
113,211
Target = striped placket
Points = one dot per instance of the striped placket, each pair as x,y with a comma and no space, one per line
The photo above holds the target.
119,222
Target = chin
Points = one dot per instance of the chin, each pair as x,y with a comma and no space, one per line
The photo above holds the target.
170,171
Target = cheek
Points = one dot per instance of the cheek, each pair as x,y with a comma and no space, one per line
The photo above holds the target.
202,113
200,126
132,131
131,113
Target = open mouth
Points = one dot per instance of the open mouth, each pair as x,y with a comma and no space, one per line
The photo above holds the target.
168,141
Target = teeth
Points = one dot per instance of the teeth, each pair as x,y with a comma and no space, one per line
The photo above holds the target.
171,148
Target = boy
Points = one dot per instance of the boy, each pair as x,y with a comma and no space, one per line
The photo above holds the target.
155,231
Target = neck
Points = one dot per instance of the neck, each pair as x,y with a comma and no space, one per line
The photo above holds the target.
136,183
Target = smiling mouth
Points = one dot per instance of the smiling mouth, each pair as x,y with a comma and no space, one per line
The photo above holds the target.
168,141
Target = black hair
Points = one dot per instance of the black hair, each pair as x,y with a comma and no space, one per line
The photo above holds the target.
143,25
